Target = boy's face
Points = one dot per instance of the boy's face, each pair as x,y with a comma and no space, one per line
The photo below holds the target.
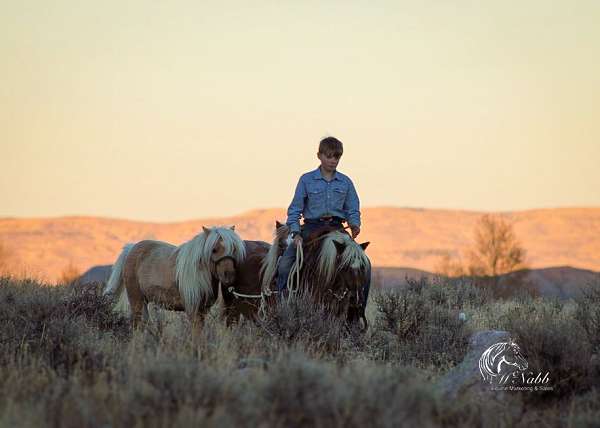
329,160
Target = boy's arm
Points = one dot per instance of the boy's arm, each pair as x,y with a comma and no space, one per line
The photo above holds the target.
296,208
352,205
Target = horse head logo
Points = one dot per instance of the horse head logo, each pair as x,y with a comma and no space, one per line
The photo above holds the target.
500,359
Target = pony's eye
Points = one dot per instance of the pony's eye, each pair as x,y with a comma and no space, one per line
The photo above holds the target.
214,251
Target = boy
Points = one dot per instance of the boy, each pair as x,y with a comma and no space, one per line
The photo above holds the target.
324,196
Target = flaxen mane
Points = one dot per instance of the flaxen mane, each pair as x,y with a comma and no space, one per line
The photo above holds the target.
353,256
193,269
268,268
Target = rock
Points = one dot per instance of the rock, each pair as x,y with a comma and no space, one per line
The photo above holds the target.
466,377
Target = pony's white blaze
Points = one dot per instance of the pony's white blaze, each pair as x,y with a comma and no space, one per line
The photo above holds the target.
194,269
353,256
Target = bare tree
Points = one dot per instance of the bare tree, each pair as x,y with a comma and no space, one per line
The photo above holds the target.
497,250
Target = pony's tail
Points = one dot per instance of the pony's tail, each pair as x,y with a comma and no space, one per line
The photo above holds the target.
115,283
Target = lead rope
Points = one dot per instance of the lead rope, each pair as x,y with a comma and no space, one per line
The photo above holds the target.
293,286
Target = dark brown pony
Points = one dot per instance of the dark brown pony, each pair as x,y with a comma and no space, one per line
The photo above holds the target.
334,272
253,287
176,278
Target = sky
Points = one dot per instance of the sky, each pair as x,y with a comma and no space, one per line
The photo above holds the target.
168,111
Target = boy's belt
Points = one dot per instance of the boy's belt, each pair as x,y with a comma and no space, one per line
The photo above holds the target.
327,219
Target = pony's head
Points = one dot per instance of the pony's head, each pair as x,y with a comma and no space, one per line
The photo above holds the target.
350,277
352,274
342,269
223,250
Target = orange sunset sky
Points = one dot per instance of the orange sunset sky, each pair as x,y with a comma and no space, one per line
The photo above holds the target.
175,110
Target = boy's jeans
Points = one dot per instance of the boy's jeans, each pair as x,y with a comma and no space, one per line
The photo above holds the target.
289,257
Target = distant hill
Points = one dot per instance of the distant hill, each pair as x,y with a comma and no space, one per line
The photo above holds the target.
562,282
44,247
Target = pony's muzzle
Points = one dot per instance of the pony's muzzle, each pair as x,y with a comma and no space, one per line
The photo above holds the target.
226,270
228,278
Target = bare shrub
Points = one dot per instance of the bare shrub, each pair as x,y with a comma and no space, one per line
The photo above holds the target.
588,313
53,323
67,361
301,320
553,341
420,325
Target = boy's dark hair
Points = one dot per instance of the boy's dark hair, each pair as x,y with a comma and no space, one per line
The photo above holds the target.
331,145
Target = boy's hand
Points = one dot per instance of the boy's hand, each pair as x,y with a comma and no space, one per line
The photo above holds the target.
355,230
298,240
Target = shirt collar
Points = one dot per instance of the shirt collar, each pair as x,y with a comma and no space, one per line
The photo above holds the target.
316,174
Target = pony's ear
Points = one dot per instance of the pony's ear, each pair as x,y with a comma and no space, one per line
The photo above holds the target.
339,246
232,227
205,230
277,224
364,245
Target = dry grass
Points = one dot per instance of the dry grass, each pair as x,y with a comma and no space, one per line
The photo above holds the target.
67,360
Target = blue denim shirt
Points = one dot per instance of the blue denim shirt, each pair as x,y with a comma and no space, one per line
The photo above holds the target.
316,197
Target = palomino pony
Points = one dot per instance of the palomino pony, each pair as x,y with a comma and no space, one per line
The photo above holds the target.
177,278
334,272
253,286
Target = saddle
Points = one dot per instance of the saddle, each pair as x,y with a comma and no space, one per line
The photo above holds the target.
321,231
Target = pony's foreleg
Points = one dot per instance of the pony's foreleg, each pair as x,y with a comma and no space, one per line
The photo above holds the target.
137,311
